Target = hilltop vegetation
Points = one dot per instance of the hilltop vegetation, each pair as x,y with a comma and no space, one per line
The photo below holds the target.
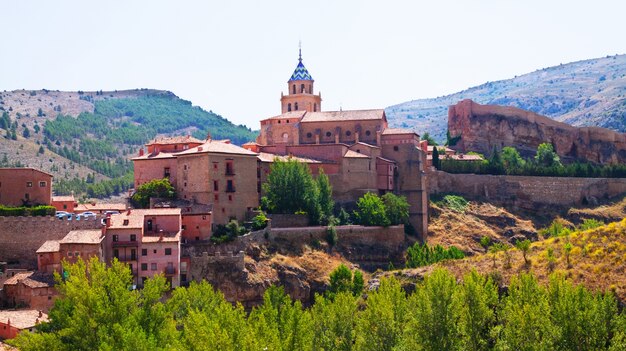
584,93
85,139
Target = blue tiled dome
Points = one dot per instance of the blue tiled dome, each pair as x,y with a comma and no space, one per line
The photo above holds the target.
300,73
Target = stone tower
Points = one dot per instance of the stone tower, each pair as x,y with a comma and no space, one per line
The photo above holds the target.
300,95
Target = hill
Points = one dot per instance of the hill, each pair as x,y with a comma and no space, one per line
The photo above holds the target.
85,137
584,93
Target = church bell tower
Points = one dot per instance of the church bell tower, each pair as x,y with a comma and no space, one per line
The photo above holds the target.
300,95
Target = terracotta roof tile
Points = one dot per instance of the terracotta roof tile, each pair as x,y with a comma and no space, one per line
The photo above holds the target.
84,236
136,216
287,115
348,115
179,139
49,246
389,131
354,154
32,279
100,207
22,319
166,238
220,147
63,198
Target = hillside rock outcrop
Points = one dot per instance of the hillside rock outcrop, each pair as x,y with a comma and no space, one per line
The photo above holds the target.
480,128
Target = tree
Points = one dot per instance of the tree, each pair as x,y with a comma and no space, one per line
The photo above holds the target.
371,211
397,208
157,188
475,302
290,188
436,161
26,133
40,112
41,150
546,156
495,164
343,280
524,247
333,322
429,139
325,194
511,159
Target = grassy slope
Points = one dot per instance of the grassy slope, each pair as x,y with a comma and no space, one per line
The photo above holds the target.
583,93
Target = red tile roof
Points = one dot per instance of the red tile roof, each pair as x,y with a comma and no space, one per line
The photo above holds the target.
83,236
389,131
49,246
348,115
179,139
214,146
32,279
22,319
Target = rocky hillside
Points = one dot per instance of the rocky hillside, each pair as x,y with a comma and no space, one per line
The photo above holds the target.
584,93
75,135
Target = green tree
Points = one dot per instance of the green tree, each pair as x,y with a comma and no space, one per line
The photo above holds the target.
524,247
397,208
433,323
371,211
475,303
511,159
429,139
343,280
26,133
157,188
495,164
436,161
333,322
290,188
40,112
325,199
546,156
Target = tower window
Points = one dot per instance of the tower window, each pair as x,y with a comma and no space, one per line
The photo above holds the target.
288,107
310,88
368,133
302,88
294,89
328,134
348,133
309,135
296,106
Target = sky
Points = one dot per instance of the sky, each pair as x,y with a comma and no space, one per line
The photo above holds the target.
235,57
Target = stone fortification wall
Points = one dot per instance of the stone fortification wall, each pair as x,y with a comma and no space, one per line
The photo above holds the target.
527,192
288,220
20,237
483,127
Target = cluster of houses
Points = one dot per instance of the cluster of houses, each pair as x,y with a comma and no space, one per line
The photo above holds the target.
215,182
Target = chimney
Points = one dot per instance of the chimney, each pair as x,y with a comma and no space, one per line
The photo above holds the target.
40,314
141,152
356,137
108,220
128,212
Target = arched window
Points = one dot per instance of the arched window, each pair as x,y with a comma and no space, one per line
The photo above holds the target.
310,88
294,89
309,135
328,134
348,133
302,89
285,137
368,133
296,106
315,107
288,107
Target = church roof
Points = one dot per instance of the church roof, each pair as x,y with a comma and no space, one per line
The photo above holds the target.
345,115
301,73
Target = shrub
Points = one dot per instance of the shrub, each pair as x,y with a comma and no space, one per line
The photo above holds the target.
420,255
372,211
225,233
41,210
259,221
331,235
454,202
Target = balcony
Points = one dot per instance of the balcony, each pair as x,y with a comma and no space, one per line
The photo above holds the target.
125,243
230,172
127,258
230,189
169,271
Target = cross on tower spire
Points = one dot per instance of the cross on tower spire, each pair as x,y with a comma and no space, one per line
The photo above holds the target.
300,50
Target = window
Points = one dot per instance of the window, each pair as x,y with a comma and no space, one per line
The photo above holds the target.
230,198
315,107
144,252
395,148
348,133
309,135
153,266
166,172
168,251
294,91
116,253
216,197
133,254
204,217
76,254
154,251
183,277
69,254
289,107
64,206
27,196
42,184
230,187
368,133
328,134
126,222
133,237
29,184
144,266
296,106
149,225
229,168
185,184
215,185
116,238
310,88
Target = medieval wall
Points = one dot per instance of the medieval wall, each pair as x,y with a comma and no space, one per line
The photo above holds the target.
20,237
483,127
527,192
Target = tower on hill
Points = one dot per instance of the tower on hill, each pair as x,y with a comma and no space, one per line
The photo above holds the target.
300,96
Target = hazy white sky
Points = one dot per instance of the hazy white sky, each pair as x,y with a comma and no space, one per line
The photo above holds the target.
235,57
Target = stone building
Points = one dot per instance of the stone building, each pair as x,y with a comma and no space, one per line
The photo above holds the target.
25,186
148,241
31,289
356,149
15,321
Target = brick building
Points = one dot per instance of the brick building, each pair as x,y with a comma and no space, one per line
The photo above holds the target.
64,203
15,321
25,186
356,149
148,240
32,289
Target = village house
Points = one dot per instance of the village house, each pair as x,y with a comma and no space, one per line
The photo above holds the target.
148,241
12,322
25,186
64,203
30,289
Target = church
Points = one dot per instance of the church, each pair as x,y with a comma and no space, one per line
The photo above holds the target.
356,148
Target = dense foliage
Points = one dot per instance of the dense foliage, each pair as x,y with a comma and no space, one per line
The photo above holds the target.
420,255
545,163
389,209
156,188
41,210
93,189
98,311
290,188
454,202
